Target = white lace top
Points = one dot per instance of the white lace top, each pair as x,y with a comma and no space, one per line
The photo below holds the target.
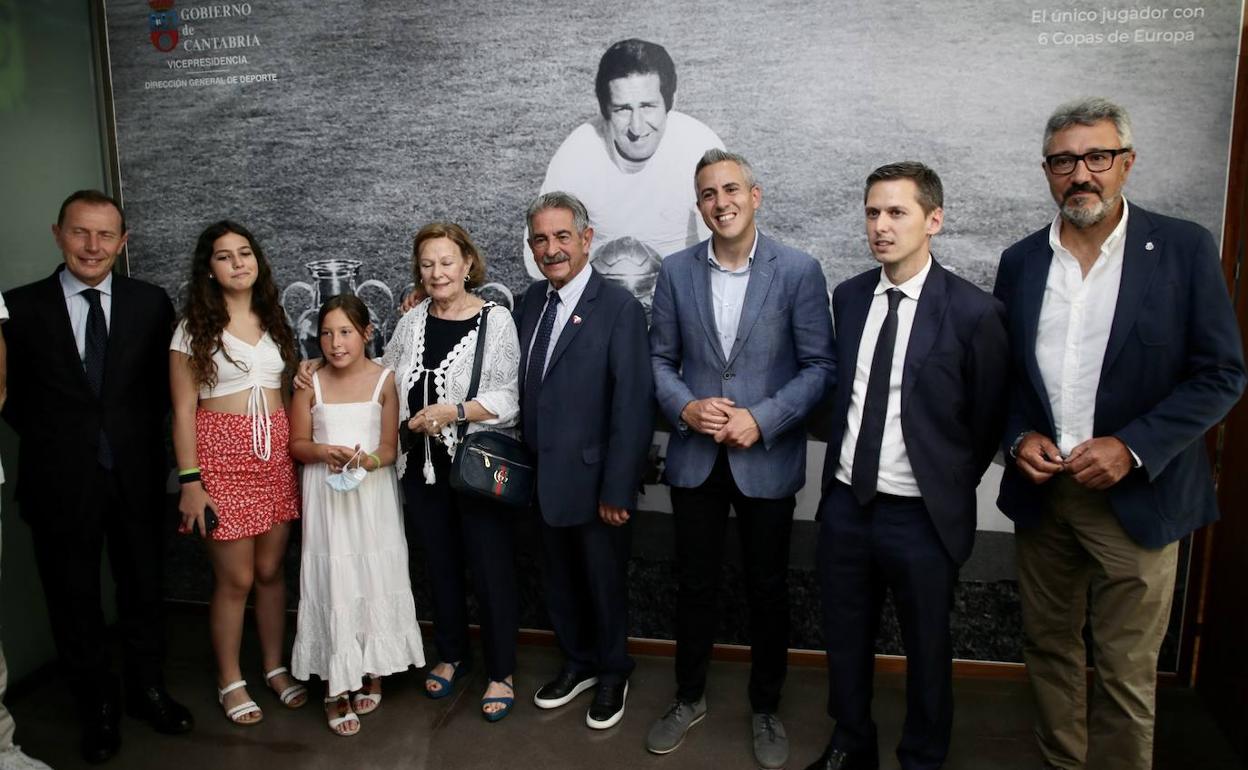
498,391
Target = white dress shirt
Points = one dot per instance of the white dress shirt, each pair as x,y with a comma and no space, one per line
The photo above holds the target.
1075,318
569,295
896,477
78,307
728,294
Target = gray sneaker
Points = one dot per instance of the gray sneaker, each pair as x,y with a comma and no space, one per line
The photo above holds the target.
669,730
771,745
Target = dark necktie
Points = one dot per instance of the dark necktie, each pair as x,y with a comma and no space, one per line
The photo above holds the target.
537,367
866,469
93,361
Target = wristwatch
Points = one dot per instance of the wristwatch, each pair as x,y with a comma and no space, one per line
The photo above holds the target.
460,415
1017,443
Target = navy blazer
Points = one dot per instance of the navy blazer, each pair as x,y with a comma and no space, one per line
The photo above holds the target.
1173,368
58,417
781,365
953,392
596,408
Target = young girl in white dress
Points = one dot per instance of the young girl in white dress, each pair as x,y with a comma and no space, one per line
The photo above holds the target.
357,619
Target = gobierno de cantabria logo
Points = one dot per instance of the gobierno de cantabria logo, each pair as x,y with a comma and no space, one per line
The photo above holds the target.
162,25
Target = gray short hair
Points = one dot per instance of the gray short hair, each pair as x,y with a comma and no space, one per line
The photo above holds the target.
1088,112
716,155
558,199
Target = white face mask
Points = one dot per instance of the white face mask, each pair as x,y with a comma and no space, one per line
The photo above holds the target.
348,478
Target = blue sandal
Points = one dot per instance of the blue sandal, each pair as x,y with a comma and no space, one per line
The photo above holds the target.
506,700
446,687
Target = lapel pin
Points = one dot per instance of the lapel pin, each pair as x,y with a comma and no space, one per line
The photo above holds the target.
576,319
1148,246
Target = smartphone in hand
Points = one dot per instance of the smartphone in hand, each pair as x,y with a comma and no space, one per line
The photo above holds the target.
210,522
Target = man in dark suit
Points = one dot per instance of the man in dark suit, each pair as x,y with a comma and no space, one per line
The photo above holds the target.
1126,352
586,400
741,347
914,425
88,395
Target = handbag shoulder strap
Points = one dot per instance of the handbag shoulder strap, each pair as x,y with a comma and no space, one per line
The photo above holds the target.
477,359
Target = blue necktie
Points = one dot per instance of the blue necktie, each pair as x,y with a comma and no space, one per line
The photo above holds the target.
93,361
866,470
536,369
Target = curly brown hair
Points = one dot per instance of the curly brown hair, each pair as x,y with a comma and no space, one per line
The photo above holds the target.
206,315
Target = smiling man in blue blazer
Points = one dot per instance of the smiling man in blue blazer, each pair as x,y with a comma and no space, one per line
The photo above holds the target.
915,420
1125,353
741,343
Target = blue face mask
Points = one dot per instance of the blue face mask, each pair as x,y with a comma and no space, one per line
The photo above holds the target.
348,478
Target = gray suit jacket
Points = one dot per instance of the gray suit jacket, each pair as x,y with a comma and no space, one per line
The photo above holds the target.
781,365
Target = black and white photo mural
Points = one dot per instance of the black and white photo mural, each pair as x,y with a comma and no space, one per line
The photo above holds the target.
335,129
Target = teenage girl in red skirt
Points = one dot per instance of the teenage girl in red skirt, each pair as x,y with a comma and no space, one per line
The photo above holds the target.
230,362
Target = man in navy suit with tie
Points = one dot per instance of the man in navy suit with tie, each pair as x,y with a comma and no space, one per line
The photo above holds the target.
915,422
1126,352
88,397
741,346
587,411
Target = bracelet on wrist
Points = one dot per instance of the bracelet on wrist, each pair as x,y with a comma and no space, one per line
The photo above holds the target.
188,477
376,459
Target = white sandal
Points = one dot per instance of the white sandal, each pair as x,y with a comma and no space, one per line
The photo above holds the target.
363,695
236,713
336,722
290,694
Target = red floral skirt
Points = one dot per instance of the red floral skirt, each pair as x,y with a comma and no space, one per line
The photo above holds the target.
252,495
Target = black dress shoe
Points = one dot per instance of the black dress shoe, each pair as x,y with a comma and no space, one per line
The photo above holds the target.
608,705
154,706
101,732
837,759
563,689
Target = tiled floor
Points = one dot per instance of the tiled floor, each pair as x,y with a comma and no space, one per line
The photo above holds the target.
991,731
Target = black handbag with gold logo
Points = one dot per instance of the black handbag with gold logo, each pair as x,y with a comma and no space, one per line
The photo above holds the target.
487,463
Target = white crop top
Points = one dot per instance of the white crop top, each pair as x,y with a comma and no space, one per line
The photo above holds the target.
253,367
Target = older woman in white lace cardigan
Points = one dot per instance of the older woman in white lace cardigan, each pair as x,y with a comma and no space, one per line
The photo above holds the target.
432,352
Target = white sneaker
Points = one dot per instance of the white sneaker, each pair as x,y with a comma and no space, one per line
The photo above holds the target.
12,758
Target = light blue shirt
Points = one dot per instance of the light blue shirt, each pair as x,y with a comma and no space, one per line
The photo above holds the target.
728,294
78,307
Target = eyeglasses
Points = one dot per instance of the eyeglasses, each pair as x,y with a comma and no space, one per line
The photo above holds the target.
1097,160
